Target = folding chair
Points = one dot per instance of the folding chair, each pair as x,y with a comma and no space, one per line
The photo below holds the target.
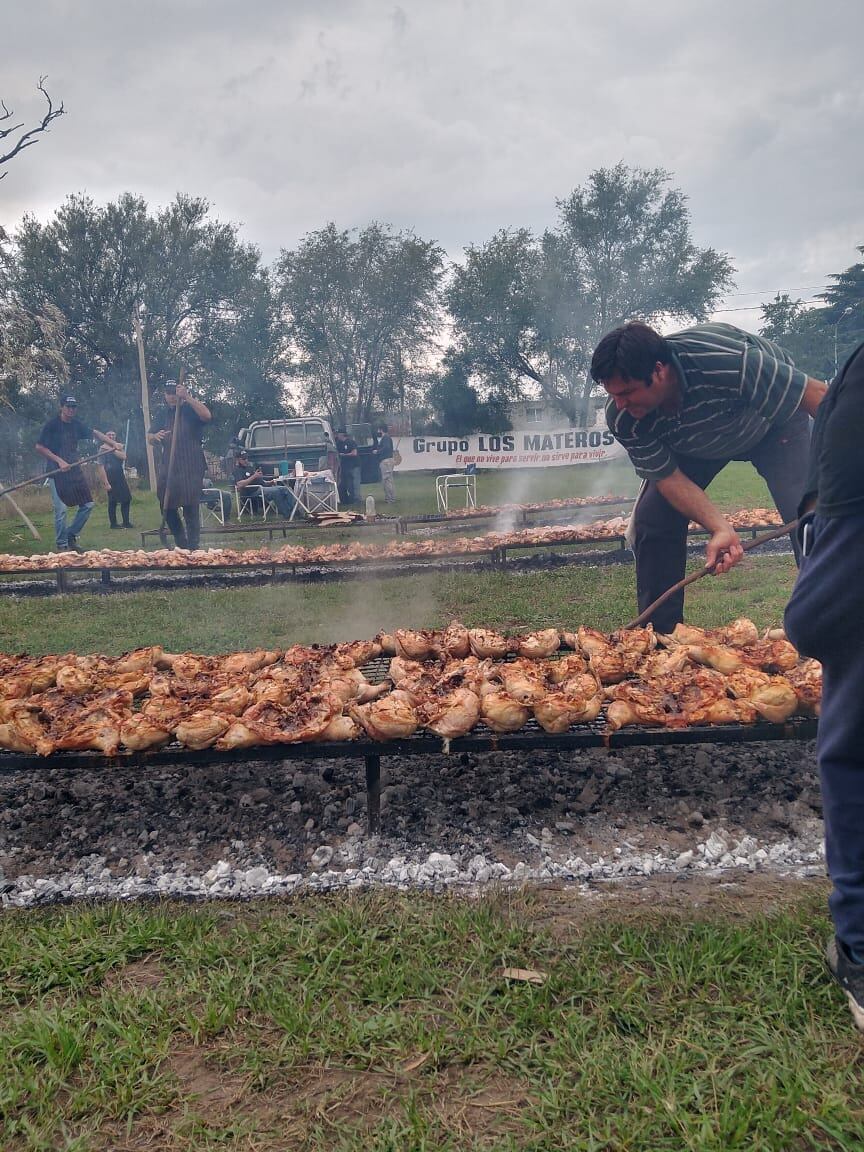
211,507
250,500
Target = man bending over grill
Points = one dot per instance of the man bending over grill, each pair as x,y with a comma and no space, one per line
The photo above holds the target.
684,406
825,620
181,490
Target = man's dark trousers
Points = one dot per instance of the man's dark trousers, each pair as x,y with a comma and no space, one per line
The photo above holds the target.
825,620
660,536
190,535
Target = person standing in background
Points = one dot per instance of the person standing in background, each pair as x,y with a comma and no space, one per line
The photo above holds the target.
58,444
384,456
183,493
348,467
117,486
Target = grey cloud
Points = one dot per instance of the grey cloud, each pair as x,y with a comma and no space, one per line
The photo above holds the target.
454,118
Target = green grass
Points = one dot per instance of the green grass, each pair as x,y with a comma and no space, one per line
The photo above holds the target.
738,486
383,1022
221,620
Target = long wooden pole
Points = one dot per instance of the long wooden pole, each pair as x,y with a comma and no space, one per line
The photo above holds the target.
645,616
145,397
54,472
24,517
169,475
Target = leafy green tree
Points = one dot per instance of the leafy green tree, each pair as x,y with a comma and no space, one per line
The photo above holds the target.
820,338
530,311
205,303
361,310
803,332
458,406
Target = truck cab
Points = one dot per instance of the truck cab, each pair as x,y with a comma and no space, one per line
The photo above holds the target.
275,446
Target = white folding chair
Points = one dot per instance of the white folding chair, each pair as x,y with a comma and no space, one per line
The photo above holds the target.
444,485
216,509
249,500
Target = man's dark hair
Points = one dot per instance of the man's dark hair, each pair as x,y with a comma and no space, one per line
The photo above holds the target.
340,432
631,352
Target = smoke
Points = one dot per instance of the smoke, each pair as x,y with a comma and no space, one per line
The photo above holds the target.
377,604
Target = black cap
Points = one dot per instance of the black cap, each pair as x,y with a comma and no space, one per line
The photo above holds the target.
169,386
69,402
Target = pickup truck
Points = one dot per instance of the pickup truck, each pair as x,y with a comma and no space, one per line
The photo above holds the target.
276,445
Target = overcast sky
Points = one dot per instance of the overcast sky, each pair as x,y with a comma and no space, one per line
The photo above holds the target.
454,117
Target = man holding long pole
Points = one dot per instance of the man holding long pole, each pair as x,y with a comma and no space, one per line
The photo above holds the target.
178,428
58,443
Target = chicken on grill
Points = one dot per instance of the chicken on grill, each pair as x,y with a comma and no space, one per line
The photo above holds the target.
392,717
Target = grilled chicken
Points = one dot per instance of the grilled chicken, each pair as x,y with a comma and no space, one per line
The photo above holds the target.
773,697
393,717
455,641
539,645
499,711
202,729
450,713
488,644
578,701
140,732
415,645
806,679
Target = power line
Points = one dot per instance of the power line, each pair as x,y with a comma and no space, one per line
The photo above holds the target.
780,292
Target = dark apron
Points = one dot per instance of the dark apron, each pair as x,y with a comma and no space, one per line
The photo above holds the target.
72,486
187,472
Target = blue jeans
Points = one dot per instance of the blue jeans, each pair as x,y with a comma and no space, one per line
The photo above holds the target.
76,527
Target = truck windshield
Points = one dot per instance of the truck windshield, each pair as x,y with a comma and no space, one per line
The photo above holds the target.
293,433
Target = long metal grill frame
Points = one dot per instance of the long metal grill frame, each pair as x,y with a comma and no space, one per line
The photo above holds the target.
497,555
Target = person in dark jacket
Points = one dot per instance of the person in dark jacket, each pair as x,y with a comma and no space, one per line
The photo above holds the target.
117,486
181,490
384,456
349,471
58,444
825,620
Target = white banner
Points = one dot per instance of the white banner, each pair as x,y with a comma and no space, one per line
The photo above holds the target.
522,449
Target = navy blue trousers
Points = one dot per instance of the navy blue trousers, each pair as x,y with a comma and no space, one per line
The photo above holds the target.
825,619
660,532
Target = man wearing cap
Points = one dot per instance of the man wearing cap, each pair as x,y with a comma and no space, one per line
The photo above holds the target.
181,490
58,443
245,476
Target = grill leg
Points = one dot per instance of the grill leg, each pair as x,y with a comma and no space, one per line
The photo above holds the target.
373,793
106,575
61,580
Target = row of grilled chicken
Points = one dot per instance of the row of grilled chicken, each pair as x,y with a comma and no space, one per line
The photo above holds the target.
404,549
445,682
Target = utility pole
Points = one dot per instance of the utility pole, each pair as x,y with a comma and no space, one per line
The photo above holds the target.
145,398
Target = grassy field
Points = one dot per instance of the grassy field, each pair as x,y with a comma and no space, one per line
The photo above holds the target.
738,486
666,1020
221,620
384,1023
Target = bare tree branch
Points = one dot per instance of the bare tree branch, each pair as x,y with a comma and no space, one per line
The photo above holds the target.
26,138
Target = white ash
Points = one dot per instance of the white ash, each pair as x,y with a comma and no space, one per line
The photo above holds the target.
261,829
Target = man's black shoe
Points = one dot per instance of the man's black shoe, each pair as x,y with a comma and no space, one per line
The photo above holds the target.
849,976
74,546
115,525
128,525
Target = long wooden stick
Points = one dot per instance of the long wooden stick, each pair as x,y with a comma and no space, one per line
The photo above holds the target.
55,471
145,398
169,475
643,617
23,515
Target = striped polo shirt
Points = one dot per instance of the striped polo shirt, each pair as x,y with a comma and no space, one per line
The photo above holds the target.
734,387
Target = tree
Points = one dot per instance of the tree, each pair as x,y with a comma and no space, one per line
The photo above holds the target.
530,311
802,331
458,406
206,304
26,138
361,310
820,338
